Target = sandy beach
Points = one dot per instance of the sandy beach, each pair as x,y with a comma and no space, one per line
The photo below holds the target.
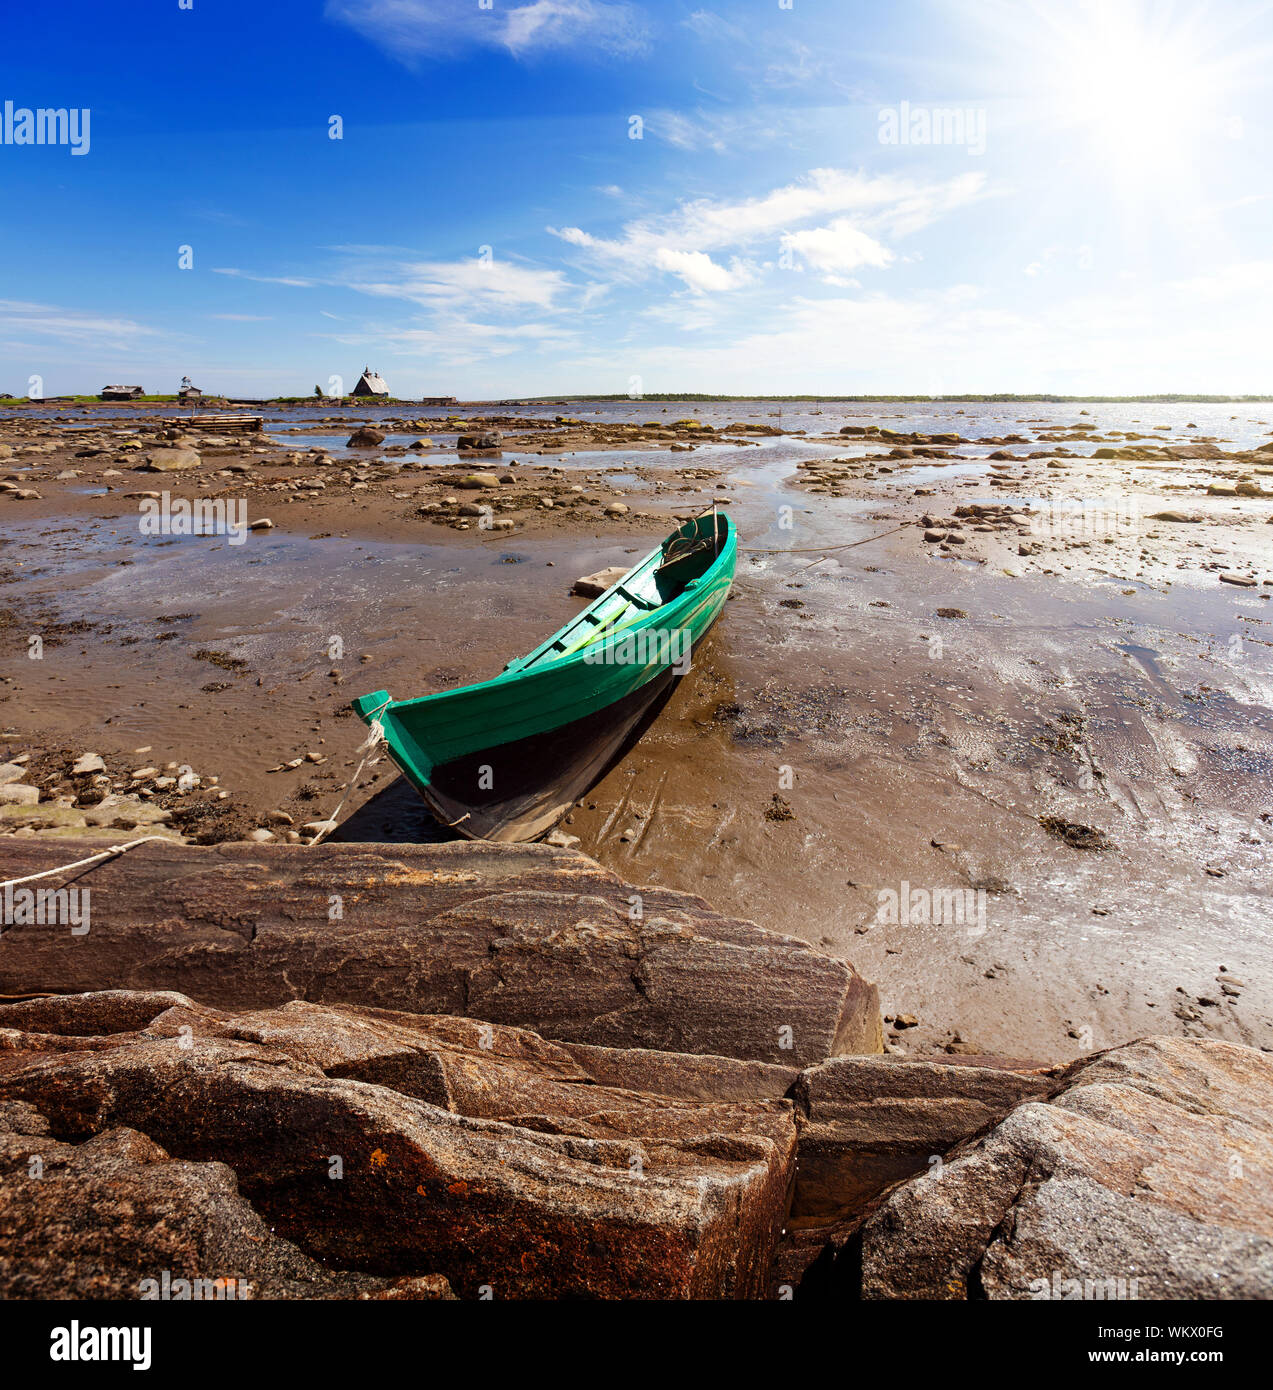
1009,757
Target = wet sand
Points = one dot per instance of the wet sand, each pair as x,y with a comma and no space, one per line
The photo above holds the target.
1086,739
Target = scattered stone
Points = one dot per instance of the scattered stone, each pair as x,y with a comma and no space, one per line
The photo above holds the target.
365,437
1075,835
171,460
594,585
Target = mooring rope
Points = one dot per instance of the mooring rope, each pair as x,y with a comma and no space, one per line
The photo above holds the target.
820,549
92,859
375,737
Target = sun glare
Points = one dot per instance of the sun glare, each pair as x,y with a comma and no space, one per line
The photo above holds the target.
1137,90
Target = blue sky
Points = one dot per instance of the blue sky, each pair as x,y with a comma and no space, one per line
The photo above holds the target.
1082,201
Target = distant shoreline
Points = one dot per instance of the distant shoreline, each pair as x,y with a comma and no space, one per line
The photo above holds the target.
934,400
82,402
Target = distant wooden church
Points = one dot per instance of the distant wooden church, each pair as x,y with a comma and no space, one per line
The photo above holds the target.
371,384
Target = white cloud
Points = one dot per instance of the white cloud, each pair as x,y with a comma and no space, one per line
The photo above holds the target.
411,30
699,271
837,247
683,241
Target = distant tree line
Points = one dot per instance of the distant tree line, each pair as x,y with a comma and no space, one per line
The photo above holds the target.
1165,399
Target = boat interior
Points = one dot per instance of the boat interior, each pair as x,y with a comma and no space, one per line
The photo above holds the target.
672,570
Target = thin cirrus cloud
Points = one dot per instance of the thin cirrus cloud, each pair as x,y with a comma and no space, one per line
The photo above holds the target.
294,281
461,340
412,30
490,284
853,213
68,326
435,284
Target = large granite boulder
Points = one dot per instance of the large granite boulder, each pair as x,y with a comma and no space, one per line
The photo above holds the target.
522,935
1148,1175
404,1146
116,1217
868,1122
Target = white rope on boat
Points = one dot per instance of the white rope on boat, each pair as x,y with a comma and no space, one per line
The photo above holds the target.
374,738
92,859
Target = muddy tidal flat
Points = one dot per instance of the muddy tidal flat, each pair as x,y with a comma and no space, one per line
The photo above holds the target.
1011,755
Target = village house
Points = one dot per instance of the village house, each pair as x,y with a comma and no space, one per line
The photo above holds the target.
371,384
121,393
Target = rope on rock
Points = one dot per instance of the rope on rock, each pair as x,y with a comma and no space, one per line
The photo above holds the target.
92,859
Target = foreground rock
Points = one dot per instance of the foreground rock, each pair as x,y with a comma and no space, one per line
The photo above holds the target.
1148,1176
524,935
403,1145
867,1122
116,1217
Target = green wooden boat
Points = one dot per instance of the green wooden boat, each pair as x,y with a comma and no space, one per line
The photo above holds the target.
504,759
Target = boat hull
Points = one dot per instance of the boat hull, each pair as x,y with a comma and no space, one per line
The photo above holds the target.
506,758
535,781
